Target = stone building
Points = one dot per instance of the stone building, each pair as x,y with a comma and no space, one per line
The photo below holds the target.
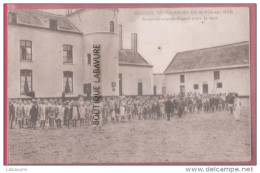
51,54
220,69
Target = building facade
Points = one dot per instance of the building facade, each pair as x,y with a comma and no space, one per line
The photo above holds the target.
159,86
135,73
221,69
49,54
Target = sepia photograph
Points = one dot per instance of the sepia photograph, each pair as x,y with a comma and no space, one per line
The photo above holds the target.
150,85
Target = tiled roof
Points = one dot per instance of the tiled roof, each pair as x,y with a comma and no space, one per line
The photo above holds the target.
42,19
215,57
128,56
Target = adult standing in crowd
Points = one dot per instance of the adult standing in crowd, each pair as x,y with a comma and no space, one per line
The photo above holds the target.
67,114
112,105
42,113
20,114
51,113
34,113
11,114
27,108
168,108
75,113
59,114
82,111
181,107
231,100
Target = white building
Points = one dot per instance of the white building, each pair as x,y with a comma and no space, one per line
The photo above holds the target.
219,69
135,73
159,83
49,54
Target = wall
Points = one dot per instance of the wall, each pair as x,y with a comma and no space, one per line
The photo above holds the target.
95,25
131,75
233,80
160,82
95,20
108,60
47,60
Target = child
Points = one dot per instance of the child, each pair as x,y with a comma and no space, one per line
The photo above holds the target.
162,109
122,110
237,108
117,110
20,114
112,110
87,112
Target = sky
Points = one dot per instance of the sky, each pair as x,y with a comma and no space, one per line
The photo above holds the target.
162,32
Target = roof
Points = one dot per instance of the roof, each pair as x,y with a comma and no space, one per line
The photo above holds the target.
236,54
130,57
42,19
71,12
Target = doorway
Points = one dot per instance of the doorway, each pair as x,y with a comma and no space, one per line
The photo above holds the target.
154,90
87,89
205,88
120,84
140,88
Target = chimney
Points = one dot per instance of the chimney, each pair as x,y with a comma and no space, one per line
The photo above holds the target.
120,38
134,42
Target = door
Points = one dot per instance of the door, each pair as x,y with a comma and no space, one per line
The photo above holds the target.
182,90
87,89
120,84
205,88
154,90
140,88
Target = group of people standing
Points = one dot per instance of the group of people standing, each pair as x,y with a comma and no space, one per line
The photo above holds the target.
29,113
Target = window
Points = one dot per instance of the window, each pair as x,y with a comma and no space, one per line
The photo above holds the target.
12,18
219,85
25,50
89,58
53,24
112,26
196,86
182,79
216,75
25,81
68,81
67,53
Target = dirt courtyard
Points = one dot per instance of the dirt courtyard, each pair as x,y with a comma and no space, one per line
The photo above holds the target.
204,137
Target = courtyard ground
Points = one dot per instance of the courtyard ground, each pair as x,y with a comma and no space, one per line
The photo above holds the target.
204,137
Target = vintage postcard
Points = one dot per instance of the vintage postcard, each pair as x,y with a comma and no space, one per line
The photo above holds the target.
171,84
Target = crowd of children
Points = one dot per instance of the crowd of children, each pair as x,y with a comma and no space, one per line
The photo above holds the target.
32,113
